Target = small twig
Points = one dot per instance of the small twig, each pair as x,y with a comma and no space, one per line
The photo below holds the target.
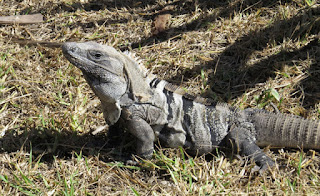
216,66
13,98
21,19
99,129
35,42
3,131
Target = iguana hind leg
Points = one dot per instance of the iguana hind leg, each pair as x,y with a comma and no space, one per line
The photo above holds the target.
245,144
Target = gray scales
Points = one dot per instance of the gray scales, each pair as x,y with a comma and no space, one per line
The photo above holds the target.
154,109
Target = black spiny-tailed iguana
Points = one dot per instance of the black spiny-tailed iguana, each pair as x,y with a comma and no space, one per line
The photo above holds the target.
153,108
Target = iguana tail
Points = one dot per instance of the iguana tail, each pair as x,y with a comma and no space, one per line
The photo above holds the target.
281,130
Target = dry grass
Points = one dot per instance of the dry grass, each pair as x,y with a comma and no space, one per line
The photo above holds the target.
246,53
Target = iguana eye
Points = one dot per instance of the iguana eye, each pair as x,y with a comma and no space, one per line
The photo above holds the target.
96,54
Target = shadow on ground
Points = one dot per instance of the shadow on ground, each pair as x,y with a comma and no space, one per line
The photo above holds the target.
238,76
52,143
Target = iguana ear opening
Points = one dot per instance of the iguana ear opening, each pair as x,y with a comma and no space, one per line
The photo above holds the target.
138,85
111,112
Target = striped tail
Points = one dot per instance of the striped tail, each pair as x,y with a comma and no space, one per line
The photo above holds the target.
281,130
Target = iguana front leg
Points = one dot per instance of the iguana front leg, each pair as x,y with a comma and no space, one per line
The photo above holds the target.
246,145
136,123
144,134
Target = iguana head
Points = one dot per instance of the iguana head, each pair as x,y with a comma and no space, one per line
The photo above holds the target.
110,74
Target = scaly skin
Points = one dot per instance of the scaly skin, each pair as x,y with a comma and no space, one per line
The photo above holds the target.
282,130
153,109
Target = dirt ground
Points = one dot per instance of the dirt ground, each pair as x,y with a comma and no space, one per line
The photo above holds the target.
246,53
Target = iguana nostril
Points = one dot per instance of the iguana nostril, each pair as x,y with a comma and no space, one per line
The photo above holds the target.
73,49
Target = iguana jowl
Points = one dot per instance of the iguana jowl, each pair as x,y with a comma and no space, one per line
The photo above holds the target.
153,109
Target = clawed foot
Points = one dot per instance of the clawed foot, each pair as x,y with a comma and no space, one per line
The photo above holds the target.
132,162
263,168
